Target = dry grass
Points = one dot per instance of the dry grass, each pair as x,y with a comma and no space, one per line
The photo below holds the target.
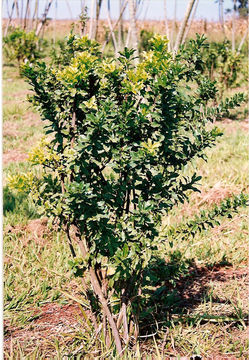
212,30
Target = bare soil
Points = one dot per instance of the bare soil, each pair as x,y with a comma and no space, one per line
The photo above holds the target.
36,230
14,156
50,322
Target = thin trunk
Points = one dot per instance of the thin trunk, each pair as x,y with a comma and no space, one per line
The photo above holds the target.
190,22
138,8
221,15
83,13
69,10
9,19
133,27
21,17
120,27
17,11
26,14
173,32
128,37
183,25
115,25
98,291
128,201
146,11
44,18
37,17
54,22
120,318
98,8
233,25
111,27
243,40
166,23
125,323
70,242
29,21
91,20
35,14
7,8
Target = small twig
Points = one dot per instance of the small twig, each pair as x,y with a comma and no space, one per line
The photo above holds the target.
74,299
165,338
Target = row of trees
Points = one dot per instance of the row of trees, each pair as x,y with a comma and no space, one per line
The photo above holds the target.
26,13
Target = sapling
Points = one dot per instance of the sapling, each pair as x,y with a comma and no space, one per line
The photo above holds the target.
22,46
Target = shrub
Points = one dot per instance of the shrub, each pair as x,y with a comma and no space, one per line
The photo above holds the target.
20,45
119,138
222,64
145,40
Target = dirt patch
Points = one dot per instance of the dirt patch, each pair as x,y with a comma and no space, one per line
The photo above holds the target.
14,156
48,323
15,129
31,119
232,126
36,230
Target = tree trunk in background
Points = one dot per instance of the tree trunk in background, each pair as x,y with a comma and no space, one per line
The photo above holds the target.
44,18
54,22
17,11
221,16
233,25
166,23
35,14
173,31
69,9
91,32
190,22
111,27
21,15
133,28
115,25
183,25
9,19
98,8
120,27
243,40
26,15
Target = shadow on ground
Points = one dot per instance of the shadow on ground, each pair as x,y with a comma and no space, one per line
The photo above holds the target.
180,287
